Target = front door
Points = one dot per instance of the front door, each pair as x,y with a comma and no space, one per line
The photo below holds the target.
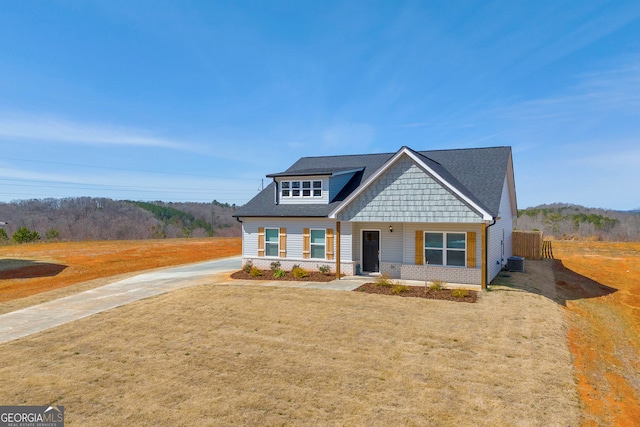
371,251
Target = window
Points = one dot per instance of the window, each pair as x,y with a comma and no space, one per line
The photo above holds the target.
318,244
301,188
296,188
286,192
271,242
445,248
306,188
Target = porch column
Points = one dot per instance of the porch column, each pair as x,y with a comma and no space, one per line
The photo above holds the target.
338,250
484,255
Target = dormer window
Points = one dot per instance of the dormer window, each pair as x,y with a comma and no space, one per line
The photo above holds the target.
301,188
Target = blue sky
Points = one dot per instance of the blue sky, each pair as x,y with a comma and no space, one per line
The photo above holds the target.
199,100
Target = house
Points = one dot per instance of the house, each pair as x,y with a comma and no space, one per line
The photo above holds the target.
442,215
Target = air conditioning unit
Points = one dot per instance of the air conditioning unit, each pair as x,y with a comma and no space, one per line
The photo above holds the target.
515,263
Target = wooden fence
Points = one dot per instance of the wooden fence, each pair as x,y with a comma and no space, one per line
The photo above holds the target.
527,244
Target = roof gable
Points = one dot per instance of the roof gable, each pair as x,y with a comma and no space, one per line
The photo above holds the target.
421,187
406,192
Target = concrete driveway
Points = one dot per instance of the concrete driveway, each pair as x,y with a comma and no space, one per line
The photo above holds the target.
27,321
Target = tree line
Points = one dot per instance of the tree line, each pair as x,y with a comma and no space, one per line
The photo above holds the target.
87,218
567,221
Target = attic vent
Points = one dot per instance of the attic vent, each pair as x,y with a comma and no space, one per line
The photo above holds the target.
515,263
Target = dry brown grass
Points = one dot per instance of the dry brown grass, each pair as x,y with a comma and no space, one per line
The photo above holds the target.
252,355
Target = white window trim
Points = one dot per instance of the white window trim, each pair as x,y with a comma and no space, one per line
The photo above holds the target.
277,242
444,248
301,189
311,244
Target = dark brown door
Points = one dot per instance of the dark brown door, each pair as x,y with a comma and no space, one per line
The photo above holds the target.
371,251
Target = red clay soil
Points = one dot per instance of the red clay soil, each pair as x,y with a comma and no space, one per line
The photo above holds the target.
41,267
416,292
600,285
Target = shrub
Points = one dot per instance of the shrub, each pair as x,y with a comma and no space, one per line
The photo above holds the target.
3,235
278,273
255,272
384,280
299,273
275,265
460,293
295,266
324,269
24,235
437,285
52,234
398,289
247,266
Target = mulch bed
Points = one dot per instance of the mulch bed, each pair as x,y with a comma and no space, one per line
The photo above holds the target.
314,276
371,288
417,292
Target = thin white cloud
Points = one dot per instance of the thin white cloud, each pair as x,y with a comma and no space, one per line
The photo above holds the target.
28,183
613,89
620,159
54,129
29,175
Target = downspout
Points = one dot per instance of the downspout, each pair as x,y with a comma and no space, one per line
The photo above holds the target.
242,237
486,252
276,196
338,273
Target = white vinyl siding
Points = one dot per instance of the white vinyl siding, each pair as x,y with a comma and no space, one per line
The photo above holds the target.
500,235
391,247
294,228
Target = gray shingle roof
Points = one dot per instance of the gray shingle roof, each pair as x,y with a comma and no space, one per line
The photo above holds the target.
478,173
311,171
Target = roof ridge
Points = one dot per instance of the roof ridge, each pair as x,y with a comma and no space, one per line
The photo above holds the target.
347,155
406,146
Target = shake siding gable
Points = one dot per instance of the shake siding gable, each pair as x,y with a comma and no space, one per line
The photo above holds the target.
406,193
